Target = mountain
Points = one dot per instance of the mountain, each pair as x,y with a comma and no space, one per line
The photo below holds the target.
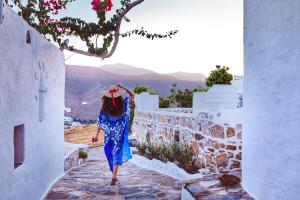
184,76
84,85
123,69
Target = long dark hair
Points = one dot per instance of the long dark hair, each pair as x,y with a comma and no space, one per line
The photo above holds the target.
108,107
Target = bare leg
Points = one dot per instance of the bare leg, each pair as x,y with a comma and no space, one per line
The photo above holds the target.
114,175
115,171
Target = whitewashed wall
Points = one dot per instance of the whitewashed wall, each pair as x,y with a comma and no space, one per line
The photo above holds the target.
145,101
271,138
216,98
20,77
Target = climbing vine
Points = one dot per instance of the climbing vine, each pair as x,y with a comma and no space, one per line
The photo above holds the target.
43,15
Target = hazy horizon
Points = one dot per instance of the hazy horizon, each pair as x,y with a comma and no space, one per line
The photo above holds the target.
166,73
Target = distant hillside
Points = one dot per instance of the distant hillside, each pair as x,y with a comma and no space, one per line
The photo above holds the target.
85,84
188,76
126,69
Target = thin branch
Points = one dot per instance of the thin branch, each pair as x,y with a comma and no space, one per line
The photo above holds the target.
118,23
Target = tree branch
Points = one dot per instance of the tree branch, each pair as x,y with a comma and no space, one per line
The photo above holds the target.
118,23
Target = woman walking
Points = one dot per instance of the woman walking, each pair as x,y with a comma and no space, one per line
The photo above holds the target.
113,120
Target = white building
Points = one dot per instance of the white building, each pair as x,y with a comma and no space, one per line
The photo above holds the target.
31,111
271,138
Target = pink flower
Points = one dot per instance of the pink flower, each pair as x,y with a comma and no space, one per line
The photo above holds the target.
96,4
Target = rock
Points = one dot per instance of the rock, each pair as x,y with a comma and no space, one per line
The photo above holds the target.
201,145
176,136
198,136
235,165
229,180
239,135
199,163
57,195
217,131
129,190
132,142
230,132
222,159
222,145
149,156
239,156
195,148
214,144
238,127
208,159
230,155
231,147
161,194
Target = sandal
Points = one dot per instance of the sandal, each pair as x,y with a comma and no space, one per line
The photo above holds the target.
113,181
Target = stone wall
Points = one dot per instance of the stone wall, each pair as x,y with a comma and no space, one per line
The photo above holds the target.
216,146
72,155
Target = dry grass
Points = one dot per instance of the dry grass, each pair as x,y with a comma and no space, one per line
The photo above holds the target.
83,135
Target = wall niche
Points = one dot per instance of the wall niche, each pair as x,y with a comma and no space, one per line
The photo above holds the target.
19,145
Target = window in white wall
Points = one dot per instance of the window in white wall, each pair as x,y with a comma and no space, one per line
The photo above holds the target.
19,147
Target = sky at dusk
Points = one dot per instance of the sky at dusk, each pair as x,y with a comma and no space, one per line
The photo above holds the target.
210,33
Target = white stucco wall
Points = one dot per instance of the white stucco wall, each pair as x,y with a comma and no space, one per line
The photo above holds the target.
19,104
145,101
216,98
271,137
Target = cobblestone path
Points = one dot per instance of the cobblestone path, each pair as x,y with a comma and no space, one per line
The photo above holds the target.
91,181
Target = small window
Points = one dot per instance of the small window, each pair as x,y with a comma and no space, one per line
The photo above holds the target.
19,145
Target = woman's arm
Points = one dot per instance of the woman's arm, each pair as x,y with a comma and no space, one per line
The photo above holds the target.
131,93
95,139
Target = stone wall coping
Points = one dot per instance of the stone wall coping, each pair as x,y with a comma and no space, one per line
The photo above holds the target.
70,148
165,112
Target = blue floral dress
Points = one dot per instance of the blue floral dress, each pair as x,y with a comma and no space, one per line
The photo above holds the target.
116,146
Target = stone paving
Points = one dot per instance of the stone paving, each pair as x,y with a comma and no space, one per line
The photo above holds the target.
91,181
210,188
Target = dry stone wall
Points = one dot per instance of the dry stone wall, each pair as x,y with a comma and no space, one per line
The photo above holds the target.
217,147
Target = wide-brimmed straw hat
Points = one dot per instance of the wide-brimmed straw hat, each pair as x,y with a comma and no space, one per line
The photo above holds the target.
113,92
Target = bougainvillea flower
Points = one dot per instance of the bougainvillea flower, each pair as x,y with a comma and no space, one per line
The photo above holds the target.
96,4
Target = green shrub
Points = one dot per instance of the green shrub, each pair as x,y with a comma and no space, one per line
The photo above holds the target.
141,148
164,102
180,154
184,98
82,155
131,120
141,88
219,76
185,156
